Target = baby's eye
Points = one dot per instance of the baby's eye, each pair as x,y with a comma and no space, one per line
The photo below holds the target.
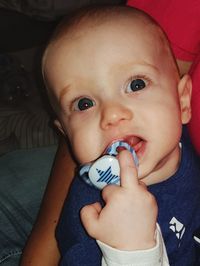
83,104
136,85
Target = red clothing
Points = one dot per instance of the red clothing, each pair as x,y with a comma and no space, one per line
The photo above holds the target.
194,125
181,22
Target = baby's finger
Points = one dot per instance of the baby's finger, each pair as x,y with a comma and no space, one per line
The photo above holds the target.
108,192
89,216
128,170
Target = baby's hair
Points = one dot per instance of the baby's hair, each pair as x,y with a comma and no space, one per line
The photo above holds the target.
90,17
97,15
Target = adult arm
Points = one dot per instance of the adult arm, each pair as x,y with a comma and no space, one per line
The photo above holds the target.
41,248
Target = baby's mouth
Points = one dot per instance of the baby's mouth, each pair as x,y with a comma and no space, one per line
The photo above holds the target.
134,141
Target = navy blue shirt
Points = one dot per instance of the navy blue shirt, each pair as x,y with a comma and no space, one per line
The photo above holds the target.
178,200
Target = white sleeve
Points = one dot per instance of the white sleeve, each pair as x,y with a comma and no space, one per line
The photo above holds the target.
156,256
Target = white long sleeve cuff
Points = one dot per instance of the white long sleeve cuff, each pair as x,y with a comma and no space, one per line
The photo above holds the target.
156,256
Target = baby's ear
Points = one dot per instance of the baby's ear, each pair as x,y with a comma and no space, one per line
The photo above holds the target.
59,126
185,93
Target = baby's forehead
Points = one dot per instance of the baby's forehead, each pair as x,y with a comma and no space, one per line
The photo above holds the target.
120,24
131,28
79,41
107,20
108,38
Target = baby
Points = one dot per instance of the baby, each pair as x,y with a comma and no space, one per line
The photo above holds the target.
111,76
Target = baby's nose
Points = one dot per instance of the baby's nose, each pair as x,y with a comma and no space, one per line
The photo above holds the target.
113,114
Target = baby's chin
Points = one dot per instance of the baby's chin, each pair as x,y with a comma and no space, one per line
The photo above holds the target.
147,176
152,172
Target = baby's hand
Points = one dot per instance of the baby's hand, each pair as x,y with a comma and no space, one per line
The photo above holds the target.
128,219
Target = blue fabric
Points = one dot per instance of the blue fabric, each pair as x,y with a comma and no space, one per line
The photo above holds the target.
23,178
77,248
178,200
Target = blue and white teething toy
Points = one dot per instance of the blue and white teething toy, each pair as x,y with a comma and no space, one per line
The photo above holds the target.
105,170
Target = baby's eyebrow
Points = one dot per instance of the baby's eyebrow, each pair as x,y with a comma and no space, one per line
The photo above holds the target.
155,68
148,65
63,92
140,65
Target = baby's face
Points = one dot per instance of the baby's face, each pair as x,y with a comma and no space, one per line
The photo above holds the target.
117,83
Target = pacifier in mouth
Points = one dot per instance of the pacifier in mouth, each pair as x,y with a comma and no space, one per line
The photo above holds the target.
105,170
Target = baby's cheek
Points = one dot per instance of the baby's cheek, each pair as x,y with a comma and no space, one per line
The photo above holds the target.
83,150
